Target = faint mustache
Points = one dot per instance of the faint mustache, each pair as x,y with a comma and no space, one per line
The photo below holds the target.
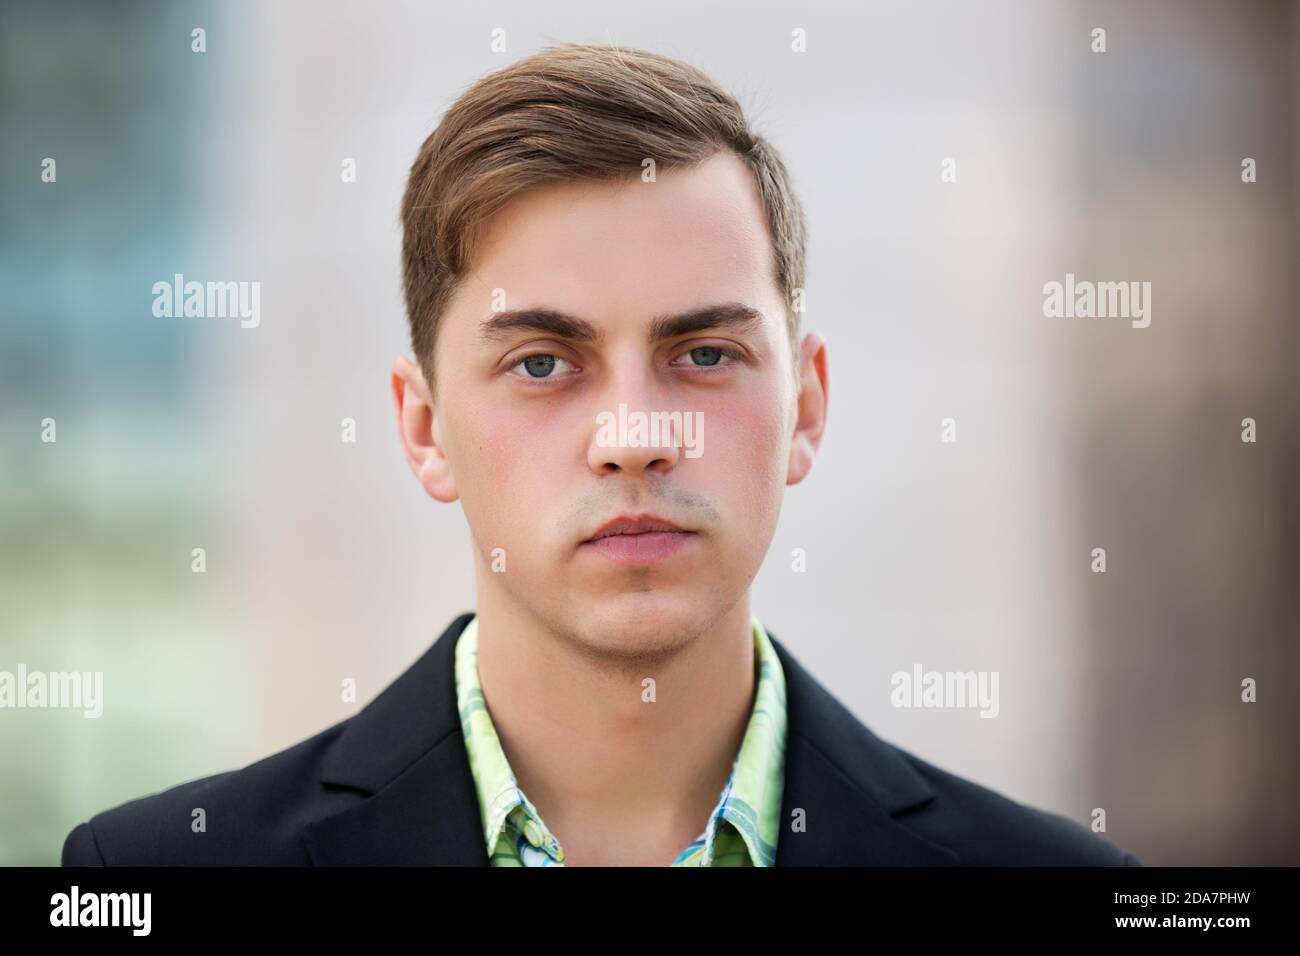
689,509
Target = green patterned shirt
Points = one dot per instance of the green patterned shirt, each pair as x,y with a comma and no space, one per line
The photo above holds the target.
742,829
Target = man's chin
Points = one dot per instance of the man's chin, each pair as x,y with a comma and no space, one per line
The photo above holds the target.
638,623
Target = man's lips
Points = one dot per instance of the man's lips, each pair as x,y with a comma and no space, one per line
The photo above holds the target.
634,524
638,539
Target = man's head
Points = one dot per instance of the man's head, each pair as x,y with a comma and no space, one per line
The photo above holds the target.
590,228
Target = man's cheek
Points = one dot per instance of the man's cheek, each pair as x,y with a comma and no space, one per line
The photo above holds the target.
515,477
759,472
744,441
498,446
483,463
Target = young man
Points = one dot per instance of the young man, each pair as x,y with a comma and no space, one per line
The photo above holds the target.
603,267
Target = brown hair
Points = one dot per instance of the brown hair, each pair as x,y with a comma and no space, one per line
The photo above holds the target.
577,111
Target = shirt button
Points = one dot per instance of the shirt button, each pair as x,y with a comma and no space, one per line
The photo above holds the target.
532,833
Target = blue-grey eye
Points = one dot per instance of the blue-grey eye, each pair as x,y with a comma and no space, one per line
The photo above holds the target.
539,366
707,356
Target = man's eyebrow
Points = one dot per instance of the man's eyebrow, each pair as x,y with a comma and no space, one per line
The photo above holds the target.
500,325
731,315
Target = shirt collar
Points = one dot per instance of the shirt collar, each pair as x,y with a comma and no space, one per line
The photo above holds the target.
750,802
749,805
499,795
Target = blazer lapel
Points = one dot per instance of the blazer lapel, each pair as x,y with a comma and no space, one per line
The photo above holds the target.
405,751
849,784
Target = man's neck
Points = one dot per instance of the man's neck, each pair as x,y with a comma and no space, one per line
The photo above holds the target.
618,779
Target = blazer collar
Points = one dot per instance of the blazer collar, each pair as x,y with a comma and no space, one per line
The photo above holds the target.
406,753
849,784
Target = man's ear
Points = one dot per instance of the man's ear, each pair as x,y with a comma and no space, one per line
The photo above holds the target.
810,418
417,424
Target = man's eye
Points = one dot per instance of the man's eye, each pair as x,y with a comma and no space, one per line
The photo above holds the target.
709,355
539,366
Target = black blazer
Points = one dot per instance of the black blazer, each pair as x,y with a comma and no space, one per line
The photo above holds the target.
391,785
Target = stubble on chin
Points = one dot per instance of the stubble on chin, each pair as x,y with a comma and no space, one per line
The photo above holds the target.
629,648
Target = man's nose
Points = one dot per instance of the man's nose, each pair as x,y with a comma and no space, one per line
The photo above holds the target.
631,432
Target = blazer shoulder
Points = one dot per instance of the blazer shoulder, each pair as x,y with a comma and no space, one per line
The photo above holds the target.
250,816
986,828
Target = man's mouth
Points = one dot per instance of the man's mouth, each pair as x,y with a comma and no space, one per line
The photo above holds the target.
638,539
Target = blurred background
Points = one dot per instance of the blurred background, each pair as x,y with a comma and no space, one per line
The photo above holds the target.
1118,690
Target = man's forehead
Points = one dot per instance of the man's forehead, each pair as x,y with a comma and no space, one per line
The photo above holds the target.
718,196
694,238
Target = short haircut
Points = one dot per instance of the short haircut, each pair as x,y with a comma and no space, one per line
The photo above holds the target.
573,112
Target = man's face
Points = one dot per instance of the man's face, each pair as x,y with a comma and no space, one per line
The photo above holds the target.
519,405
